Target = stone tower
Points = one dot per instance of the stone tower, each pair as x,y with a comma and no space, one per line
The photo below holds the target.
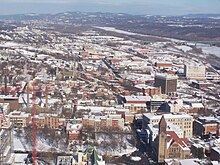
162,141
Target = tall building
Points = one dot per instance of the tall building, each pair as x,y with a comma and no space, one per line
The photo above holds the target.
194,71
168,83
162,141
183,121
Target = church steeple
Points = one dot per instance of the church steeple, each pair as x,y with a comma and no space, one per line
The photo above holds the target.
162,141
162,125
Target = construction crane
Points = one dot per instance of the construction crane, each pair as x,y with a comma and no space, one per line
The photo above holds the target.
34,132
31,88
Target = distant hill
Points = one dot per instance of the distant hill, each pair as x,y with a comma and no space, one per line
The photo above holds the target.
192,27
203,15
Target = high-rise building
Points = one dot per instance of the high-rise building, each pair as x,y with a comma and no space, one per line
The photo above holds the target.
168,83
194,71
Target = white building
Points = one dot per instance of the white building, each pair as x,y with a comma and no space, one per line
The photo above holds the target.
182,120
19,119
195,71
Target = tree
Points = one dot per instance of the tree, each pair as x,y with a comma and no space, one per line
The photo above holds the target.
114,143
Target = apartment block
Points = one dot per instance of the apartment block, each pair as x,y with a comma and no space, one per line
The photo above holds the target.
19,119
52,121
102,122
194,71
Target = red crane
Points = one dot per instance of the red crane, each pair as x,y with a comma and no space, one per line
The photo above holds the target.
33,116
34,132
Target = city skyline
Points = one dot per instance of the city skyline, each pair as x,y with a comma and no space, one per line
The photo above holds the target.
159,7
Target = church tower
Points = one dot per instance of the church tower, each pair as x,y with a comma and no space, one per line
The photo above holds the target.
162,141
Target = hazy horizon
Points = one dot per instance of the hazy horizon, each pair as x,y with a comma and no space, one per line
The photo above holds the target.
151,7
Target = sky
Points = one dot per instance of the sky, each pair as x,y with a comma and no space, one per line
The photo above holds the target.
151,7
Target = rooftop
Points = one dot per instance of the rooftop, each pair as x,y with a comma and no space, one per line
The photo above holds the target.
166,76
137,98
154,116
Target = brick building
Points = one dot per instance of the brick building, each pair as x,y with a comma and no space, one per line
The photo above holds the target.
51,121
74,131
203,126
162,65
13,102
103,122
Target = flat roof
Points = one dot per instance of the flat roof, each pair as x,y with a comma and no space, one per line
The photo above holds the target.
166,76
137,98
153,116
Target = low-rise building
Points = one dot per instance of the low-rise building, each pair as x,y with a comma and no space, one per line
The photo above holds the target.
204,126
103,122
74,131
156,104
51,121
149,90
177,147
163,65
19,119
202,84
136,103
173,105
13,101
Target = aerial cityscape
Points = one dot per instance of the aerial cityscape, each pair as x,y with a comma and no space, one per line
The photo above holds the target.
94,87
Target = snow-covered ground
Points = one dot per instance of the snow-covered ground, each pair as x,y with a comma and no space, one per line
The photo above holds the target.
136,158
18,146
19,159
116,150
210,49
21,144
184,48
112,29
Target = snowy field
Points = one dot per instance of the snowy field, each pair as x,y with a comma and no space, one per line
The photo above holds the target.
210,49
21,144
184,48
